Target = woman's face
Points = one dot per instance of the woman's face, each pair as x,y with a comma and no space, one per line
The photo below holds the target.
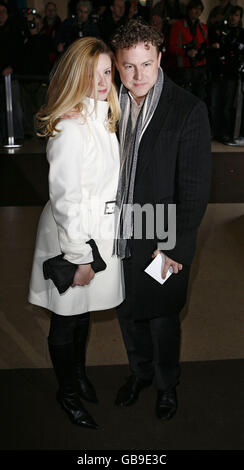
103,77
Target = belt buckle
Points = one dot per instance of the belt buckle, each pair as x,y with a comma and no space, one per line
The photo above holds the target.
109,207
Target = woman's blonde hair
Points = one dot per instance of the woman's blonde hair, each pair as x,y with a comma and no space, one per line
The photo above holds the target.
73,79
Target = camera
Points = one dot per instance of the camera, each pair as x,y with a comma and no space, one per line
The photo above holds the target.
29,11
190,45
31,24
201,52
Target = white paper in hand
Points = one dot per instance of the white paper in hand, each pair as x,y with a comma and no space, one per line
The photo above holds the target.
155,269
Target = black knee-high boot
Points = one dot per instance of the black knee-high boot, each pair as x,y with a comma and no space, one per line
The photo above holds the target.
63,362
84,386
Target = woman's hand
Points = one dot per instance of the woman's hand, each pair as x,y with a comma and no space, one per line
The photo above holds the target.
168,262
83,275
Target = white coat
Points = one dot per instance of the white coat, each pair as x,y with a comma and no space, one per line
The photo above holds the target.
83,176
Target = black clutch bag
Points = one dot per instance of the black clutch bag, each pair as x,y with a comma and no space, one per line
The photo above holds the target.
62,272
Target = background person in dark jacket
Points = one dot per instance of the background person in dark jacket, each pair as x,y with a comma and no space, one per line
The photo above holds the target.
77,26
164,15
112,19
35,67
51,25
165,149
219,13
170,10
134,9
226,55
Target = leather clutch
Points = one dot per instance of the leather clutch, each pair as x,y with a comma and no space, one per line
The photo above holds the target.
62,272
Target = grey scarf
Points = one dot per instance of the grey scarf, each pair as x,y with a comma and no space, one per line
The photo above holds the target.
129,145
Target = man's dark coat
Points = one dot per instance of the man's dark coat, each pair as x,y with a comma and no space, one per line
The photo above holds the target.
174,166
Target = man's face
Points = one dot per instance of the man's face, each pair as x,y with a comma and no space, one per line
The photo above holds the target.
138,68
235,18
3,15
157,23
83,14
118,8
51,11
195,13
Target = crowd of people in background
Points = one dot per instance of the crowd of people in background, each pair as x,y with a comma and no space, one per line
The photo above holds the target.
206,59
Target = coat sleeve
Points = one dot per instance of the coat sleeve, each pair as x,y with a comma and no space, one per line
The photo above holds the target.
64,154
193,177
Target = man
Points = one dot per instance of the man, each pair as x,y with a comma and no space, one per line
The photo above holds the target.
188,44
135,9
51,24
164,15
34,62
77,26
225,59
51,20
170,10
166,159
219,13
114,18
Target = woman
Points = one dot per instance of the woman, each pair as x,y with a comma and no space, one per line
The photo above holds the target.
84,166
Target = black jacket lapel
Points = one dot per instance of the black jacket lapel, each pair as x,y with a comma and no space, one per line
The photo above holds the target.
155,126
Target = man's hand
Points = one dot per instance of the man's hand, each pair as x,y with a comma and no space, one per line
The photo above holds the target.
216,45
192,53
83,275
168,262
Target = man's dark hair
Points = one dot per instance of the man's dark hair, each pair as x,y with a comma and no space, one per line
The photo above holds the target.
194,4
135,31
235,9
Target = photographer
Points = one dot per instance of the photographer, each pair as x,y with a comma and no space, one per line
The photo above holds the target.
135,9
35,67
225,58
188,44
170,11
219,13
113,18
77,26
164,14
51,24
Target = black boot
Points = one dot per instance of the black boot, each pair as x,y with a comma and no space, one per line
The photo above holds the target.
84,387
63,362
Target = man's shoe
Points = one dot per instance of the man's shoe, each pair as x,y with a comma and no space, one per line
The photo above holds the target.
166,404
129,392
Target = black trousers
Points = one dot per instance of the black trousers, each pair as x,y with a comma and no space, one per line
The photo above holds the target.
67,329
153,346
